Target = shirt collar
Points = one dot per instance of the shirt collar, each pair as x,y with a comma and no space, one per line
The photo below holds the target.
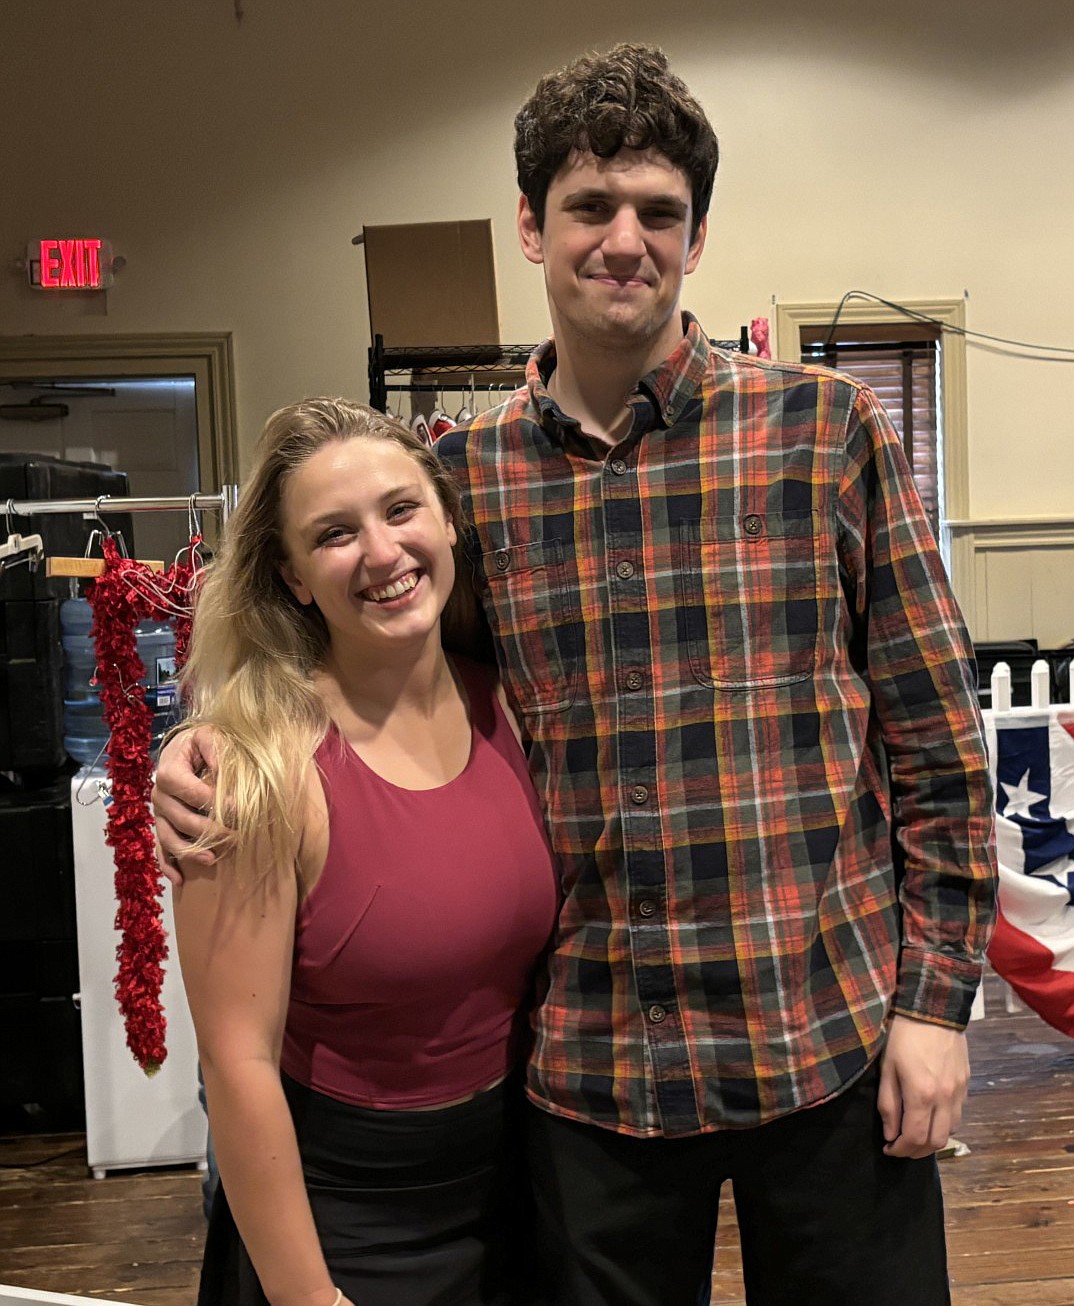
670,386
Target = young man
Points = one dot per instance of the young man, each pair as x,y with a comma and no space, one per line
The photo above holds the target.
751,716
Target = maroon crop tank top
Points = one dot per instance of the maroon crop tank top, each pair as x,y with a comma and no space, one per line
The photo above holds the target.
416,947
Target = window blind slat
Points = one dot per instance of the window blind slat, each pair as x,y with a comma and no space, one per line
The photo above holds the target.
909,404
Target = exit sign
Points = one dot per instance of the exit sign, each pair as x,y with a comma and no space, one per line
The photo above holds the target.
77,263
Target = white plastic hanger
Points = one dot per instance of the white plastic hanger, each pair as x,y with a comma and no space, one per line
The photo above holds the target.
420,426
438,414
21,548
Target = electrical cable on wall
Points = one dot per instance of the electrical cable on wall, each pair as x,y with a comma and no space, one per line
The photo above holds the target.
1046,353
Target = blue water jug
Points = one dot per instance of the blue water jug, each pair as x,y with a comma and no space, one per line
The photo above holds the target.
85,735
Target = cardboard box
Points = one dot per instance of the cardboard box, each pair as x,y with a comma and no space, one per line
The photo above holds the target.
432,283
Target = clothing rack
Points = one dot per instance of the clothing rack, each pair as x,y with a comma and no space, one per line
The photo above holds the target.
461,367
224,503
455,366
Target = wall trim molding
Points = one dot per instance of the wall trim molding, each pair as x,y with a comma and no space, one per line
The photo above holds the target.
1022,535
1000,524
1004,583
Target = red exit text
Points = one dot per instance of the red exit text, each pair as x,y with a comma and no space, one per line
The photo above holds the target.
71,265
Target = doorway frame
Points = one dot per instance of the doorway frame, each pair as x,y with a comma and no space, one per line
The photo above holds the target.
207,356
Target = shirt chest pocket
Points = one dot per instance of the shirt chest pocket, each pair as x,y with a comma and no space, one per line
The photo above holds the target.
749,595
534,613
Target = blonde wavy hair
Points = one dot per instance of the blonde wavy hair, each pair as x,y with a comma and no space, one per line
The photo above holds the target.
255,647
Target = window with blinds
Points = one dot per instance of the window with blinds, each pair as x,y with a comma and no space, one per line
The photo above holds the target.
899,361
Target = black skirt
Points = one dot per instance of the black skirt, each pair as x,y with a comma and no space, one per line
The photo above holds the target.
413,1208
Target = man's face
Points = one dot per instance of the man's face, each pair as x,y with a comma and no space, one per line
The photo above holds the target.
615,247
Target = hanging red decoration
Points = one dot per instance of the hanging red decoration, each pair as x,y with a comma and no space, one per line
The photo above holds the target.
127,593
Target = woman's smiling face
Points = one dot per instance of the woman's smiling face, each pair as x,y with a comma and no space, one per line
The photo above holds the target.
368,540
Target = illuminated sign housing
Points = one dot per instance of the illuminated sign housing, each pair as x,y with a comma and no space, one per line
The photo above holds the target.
80,263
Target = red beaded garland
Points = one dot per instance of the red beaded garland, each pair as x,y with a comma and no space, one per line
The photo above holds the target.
127,593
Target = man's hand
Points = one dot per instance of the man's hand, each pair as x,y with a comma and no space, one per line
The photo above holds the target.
924,1073
181,796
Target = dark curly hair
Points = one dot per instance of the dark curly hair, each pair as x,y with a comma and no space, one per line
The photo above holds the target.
604,102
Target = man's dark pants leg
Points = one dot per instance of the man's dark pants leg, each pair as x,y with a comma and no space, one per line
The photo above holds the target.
825,1218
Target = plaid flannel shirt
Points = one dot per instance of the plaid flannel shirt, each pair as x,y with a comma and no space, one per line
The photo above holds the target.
750,711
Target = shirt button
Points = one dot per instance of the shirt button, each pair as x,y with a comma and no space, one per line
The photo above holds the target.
753,524
639,794
657,1013
646,907
618,466
635,680
624,570
503,560
669,412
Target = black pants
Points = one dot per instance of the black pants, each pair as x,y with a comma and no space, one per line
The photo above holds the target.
412,1208
825,1218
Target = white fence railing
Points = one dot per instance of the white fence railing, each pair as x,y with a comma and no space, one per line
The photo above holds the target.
1039,687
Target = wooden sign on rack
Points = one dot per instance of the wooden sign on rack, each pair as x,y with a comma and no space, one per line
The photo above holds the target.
86,566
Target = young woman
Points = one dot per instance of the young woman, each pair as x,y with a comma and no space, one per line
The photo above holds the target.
357,954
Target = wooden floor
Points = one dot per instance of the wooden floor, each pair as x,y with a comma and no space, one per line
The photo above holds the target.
137,1237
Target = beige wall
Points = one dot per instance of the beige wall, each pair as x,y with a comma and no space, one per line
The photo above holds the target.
232,163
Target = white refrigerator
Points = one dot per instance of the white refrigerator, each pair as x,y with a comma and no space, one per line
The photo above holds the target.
131,1120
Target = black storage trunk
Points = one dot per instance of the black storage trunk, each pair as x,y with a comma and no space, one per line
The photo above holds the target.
37,873
31,687
41,1082
36,476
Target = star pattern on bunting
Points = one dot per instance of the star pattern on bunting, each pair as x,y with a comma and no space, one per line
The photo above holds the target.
1020,798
